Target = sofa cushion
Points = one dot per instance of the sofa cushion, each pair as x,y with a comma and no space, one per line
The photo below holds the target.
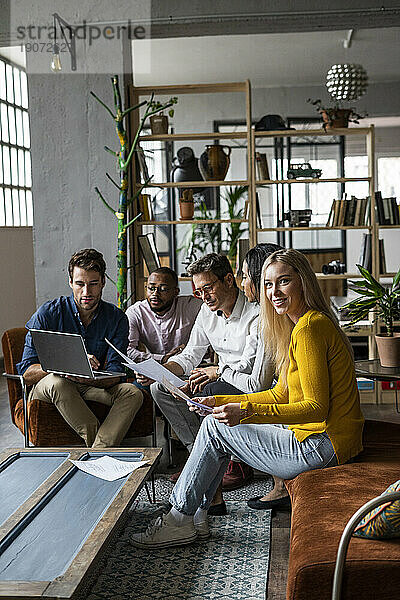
383,522
322,503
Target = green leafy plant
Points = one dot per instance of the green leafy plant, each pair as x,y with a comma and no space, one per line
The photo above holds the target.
123,158
385,302
206,237
235,230
203,237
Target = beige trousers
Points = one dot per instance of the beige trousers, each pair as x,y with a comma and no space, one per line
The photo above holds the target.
70,399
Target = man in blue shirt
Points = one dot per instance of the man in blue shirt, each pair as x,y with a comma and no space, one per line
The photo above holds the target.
85,313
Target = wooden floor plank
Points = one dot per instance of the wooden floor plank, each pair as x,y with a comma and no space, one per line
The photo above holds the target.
279,556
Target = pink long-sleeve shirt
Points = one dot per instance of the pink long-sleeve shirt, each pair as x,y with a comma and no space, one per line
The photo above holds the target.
160,334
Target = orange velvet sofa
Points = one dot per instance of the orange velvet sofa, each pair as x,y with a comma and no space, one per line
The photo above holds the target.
322,503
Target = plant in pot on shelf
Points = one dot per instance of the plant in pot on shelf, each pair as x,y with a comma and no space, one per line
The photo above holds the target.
336,116
345,83
203,237
385,303
186,205
159,121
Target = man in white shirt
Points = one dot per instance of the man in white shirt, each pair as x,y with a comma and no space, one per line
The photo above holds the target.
228,323
163,321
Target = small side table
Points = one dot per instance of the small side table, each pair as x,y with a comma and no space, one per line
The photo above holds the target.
372,369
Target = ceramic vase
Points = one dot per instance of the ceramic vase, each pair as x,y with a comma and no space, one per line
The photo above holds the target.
214,162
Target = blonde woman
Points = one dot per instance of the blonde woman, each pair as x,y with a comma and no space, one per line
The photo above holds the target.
310,420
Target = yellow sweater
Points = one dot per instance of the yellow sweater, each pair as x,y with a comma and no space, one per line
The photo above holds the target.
321,393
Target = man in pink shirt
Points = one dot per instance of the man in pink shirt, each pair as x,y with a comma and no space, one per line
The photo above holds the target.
162,323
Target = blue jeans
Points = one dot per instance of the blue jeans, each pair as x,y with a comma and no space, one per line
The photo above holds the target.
273,449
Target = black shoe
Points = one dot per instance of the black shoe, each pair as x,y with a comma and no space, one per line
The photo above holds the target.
278,504
218,510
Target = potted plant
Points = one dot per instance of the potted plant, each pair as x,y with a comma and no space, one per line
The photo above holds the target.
385,302
186,205
159,121
336,116
206,237
203,237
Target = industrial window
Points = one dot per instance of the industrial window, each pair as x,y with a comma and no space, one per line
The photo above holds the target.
15,157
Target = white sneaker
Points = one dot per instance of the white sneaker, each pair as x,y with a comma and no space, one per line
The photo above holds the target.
162,533
203,530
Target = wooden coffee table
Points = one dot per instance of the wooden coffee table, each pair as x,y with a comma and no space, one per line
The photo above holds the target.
56,521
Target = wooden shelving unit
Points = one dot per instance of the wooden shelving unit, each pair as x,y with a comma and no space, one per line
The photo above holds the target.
368,132
136,93
373,228
316,180
251,136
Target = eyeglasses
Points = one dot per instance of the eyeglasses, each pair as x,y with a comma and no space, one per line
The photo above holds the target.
160,289
206,289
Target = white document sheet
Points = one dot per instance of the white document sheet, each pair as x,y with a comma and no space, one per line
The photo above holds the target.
177,392
149,368
108,467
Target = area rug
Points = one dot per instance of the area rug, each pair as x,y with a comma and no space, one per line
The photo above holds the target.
232,564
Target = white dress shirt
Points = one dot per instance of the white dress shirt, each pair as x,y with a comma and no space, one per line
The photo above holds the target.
258,380
233,338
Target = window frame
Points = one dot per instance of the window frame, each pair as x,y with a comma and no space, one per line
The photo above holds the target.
16,209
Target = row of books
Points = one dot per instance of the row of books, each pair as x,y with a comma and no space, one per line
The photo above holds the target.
387,210
349,211
365,259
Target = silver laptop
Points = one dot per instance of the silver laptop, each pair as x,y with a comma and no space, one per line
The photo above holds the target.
65,354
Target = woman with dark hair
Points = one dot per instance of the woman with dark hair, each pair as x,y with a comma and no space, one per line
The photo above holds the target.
252,267
310,420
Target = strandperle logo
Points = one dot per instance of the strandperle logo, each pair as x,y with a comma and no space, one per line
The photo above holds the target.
44,33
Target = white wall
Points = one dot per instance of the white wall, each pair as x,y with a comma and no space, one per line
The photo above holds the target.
17,290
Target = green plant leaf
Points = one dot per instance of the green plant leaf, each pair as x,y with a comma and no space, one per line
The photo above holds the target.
363,290
361,317
396,281
367,275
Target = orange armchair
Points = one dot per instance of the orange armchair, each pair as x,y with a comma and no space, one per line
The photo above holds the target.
40,422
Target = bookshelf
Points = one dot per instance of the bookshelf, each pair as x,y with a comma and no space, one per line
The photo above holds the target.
250,137
367,133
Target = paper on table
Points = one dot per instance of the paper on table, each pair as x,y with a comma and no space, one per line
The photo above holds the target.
107,467
149,368
177,392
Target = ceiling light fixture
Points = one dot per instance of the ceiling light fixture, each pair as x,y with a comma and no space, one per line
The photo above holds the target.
70,43
347,81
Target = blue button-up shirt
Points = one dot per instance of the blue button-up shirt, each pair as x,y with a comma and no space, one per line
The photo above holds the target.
62,315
